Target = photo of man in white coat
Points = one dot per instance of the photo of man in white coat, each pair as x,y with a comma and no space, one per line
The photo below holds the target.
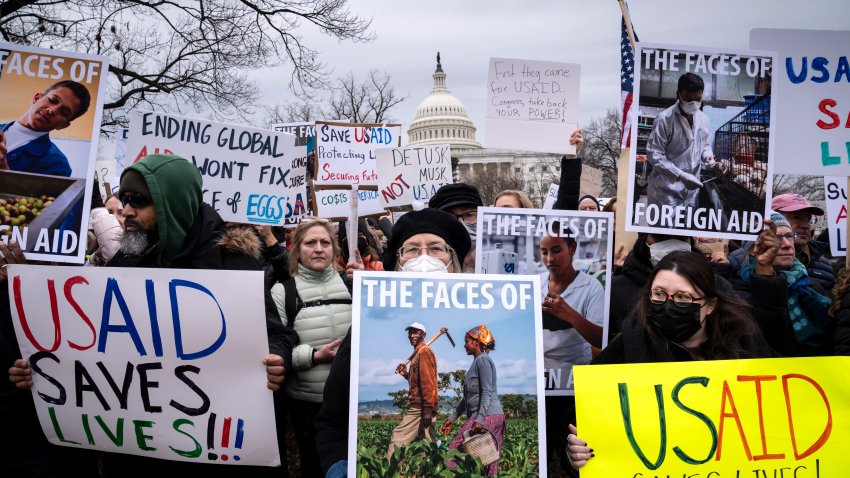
679,146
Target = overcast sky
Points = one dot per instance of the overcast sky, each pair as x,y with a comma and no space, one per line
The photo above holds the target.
468,33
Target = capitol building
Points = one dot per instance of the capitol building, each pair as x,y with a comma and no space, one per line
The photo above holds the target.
441,118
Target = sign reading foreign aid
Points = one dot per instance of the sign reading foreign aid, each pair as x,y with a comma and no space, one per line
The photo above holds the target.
784,417
412,174
163,363
250,175
345,152
813,118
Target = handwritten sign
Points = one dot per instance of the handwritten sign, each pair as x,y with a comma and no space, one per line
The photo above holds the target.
509,241
412,174
335,203
731,418
345,152
250,175
132,360
836,213
47,185
121,152
813,118
532,105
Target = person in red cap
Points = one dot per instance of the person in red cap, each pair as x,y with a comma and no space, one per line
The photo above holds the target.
799,212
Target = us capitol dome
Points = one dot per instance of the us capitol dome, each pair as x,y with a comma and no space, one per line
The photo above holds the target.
441,118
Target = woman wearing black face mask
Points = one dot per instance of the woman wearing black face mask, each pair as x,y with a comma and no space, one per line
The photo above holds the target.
682,316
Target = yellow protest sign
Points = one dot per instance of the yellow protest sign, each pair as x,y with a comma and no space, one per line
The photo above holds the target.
766,418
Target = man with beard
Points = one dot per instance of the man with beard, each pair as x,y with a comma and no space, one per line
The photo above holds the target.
167,225
422,384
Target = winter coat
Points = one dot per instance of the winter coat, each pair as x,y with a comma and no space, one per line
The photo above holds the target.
316,326
332,420
842,328
819,268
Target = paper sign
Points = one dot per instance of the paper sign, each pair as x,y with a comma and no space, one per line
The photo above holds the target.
551,196
250,175
135,360
731,418
532,105
836,213
334,203
511,241
710,175
813,79
445,306
121,152
345,152
46,191
412,174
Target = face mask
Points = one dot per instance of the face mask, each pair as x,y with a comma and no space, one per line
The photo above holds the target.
472,229
425,263
658,250
675,323
690,107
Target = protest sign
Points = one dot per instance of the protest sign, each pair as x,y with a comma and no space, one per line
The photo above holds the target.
185,345
412,174
517,241
345,152
729,418
250,175
591,183
813,119
532,105
45,194
121,160
712,178
445,306
335,203
104,173
551,196
835,189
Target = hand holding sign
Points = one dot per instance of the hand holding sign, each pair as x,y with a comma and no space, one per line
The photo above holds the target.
21,374
577,449
274,371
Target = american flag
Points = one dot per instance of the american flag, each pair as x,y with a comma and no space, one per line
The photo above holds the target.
627,75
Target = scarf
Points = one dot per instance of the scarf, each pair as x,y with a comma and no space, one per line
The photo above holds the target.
807,310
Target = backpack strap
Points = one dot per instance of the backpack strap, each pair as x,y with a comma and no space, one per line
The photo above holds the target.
293,304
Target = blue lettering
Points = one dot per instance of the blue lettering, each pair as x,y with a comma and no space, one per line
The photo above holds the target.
789,68
129,327
175,317
819,64
157,340
843,69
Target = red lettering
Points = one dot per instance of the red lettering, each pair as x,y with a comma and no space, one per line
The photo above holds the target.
70,298
824,106
827,429
144,152
842,214
757,379
727,397
19,305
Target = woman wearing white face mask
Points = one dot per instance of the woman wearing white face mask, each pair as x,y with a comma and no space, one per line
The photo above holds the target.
678,146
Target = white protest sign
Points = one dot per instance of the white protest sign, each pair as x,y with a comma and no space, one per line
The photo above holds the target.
812,78
345,152
250,175
186,345
335,203
532,105
551,196
835,189
104,172
412,174
121,160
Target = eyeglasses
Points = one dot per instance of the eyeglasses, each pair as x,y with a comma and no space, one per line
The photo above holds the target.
680,298
788,236
469,217
799,217
440,251
137,200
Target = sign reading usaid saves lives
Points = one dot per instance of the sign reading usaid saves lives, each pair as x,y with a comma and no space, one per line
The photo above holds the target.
163,363
250,175
345,152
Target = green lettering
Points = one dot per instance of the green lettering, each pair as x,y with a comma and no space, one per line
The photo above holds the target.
141,438
87,429
627,422
188,454
708,423
825,157
118,437
57,428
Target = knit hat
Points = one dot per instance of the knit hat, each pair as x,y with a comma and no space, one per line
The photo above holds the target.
456,194
428,220
132,181
779,220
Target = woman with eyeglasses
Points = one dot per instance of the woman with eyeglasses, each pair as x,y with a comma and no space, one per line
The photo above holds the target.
423,241
681,316
316,302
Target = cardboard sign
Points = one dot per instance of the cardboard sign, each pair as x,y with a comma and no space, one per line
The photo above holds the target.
132,361
591,183
511,241
412,174
813,79
336,203
710,175
730,418
250,175
835,188
345,152
385,303
532,105
45,194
